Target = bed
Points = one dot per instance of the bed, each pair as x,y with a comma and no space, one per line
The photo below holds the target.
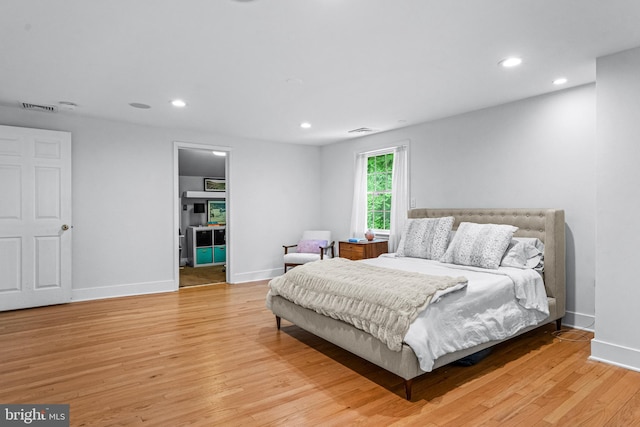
547,225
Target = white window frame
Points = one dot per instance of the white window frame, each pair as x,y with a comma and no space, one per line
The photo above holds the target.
378,231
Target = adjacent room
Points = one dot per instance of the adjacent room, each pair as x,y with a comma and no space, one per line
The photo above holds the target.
202,232
162,164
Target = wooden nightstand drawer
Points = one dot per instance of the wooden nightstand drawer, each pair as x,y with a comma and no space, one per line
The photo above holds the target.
362,250
351,250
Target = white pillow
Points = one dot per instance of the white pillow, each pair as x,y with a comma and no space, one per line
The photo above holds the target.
534,241
425,237
479,245
524,252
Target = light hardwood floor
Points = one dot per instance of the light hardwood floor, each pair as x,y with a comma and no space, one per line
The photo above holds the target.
211,355
197,276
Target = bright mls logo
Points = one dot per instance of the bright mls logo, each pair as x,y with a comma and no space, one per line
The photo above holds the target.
35,415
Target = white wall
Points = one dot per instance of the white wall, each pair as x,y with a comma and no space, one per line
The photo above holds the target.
275,197
539,152
618,200
123,201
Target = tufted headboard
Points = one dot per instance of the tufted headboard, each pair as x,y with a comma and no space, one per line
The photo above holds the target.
545,224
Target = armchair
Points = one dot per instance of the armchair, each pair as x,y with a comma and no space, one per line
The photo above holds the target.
314,245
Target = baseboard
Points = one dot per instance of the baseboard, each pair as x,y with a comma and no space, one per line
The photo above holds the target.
253,276
86,294
582,321
613,354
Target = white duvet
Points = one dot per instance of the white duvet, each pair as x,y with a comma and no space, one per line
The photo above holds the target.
494,305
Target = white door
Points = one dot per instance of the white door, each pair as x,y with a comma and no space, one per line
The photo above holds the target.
35,217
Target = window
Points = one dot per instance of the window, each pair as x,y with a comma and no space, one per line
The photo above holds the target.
379,178
380,194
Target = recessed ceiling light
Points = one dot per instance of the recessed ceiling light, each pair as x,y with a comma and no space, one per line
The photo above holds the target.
510,62
560,81
219,153
305,125
178,103
140,105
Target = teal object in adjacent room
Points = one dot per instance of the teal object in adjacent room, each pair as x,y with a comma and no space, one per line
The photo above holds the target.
219,254
204,255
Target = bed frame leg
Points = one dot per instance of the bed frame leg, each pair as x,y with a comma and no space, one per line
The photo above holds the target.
558,324
278,322
407,388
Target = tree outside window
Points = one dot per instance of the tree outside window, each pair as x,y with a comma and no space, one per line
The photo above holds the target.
379,177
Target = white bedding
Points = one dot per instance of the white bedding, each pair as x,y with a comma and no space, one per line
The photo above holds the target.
494,305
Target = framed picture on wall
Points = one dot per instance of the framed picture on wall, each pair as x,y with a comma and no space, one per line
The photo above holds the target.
216,212
213,184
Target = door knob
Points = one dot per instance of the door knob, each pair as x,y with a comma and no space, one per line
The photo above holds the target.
65,227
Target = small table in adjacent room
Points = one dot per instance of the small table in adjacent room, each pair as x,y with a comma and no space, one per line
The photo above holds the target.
362,250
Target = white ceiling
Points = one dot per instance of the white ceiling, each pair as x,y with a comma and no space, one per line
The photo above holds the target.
257,69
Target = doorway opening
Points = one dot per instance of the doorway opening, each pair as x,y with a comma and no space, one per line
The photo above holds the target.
202,204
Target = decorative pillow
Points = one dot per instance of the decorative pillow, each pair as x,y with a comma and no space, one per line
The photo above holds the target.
524,252
311,246
479,245
425,237
533,241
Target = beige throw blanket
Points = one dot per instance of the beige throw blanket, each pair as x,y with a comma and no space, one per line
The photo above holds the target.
380,301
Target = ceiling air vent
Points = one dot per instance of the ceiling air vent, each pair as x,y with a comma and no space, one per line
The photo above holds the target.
37,107
361,130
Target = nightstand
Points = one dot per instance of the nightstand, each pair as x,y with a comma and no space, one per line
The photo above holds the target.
362,250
